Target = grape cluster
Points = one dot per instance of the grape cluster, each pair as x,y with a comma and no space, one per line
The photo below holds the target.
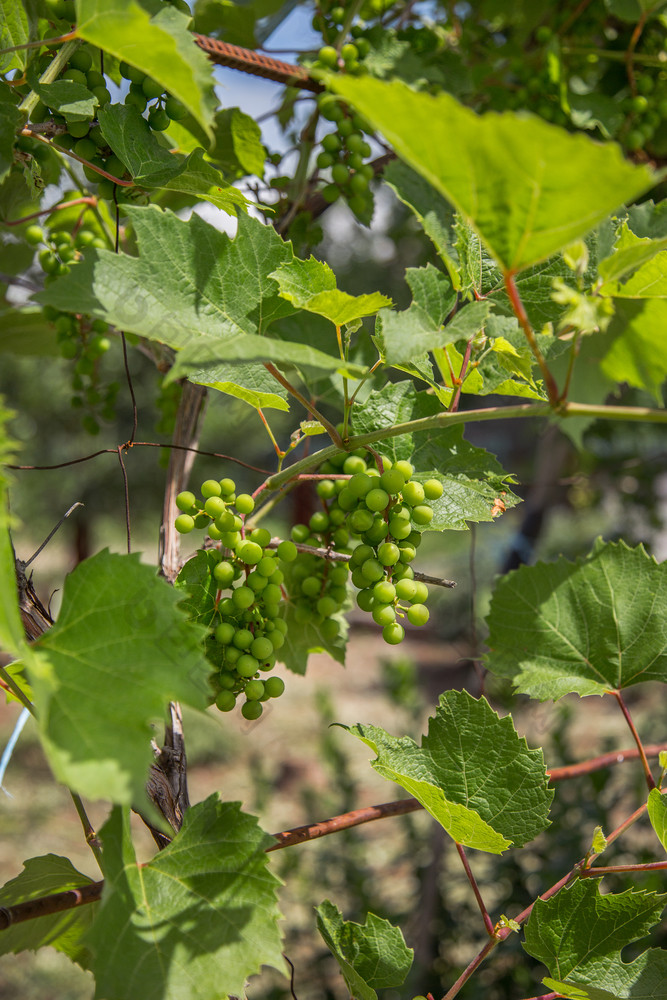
385,512
247,629
80,339
344,152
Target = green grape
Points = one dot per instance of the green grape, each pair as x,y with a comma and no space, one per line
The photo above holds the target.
231,539
175,109
223,574
250,553
329,629
243,597
136,100
34,235
261,647
287,551
95,79
267,566
214,506
245,503
407,552
256,581
354,465
403,571
184,523
345,128
232,655
274,686
358,184
76,76
131,73
361,520
393,633
227,486
226,681
330,108
326,606
372,570
224,633
158,119
377,499
339,173
360,484
319,522
102,94
324,160
398,528
326,489
379,531
392,480
280,625
413,493
272,595
210,488
361,554
243,638
421,592
225,701
78,129
327,56
389,554
418,614
346,500
277,577
331,143
383,614
214,533
115,166
421,514
247,665
384,592
406,589
254,690
338,575
277,639
311,586
252,710
365,599
225,521
433,489
151,88
261,536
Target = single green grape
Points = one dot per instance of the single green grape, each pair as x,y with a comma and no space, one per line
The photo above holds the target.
384,592
247,665
406,589
328,56
383,614
158,119
34,235
393,633
272,595
261,536
392,480
372,570
361,520
421,592
210,488
184,524
223,574
243,597
422,514
413,493
389,554
254,690
326,606
287,551
274,686
225,701
252,710
366,599
215,506
250,553
319,522
377,499
175,109
433,489
245,503
311,586
418,614
243,638
224,633
227,486
261,647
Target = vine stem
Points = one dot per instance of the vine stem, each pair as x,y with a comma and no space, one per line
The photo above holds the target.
524,323
86,200
488,922
88,829
652,866
314,412
454,404
650,781
471,967
51,73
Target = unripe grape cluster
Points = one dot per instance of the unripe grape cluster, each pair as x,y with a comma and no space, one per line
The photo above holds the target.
385,511
80,339
345,153
247,629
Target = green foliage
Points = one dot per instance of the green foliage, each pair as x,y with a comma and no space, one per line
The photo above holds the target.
215,871
119,626
579,935
372,956
657,813
311,285
587,627
472,773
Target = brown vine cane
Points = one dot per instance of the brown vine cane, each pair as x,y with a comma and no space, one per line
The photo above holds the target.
249,61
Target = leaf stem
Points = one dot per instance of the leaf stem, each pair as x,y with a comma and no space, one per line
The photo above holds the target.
488,922
524,323
279,452
314,412
470,968
614,869
40,43
650,781
454,404
88,830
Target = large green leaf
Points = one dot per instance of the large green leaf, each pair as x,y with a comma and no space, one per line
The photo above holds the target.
631,252
372,956
250,382
473,773
636,344
472,478
311,285
158,43
528,187
579,936
189,282
195,921
62,931
10,117
119,652
588,627
405,336
16,28
657,813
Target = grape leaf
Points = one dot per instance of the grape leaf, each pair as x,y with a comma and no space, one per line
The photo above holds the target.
200,589
10,116
238,143
12,638
472,478
189,280
546,187
151,165
62,931
630,253
15,29
372,956
579,934
636,345
252,383
118,653
195,921
434,212
72,100
311,285
657,813
473,773
587,627
158,43
405,336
